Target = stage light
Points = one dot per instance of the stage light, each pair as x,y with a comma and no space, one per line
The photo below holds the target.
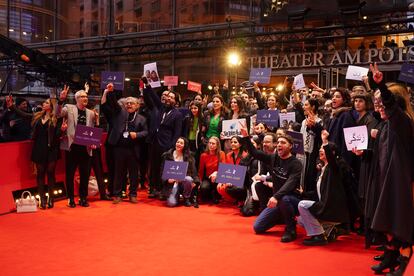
365,17
11,30
24,33
106,180
55,192
60,191
127,79
210,87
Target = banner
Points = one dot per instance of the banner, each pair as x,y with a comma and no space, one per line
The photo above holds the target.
285,119
194,86
262,75
170,80
299,82
117,78
356,137
298,146
233,127
234,174
151,72
268,117
407,73
88,136
356,72
174,170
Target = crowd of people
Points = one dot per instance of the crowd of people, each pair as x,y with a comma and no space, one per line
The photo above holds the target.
329,190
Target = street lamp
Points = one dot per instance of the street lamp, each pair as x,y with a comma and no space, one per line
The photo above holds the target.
234,60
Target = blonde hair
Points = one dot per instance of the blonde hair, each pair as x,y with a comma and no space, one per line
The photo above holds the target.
401,90
218,150
38,115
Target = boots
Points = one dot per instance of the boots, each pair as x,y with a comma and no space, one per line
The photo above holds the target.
390,261
43,202
193,197
403,265
50,202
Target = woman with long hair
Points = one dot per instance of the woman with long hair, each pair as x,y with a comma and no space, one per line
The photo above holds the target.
192,129
234,157
173,187
311,129
45,153
213,120
207,171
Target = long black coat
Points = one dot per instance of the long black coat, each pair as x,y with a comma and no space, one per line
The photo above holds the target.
332,206
395,209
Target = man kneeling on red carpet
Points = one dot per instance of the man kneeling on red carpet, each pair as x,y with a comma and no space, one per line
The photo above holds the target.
285,175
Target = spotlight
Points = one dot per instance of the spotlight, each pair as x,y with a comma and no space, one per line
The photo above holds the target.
106,180
210,87
365,17
127,79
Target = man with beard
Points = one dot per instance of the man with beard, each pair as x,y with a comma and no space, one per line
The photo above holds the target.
164,129
285,172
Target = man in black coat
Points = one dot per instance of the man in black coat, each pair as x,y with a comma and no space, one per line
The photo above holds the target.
129,130
285,177
164,129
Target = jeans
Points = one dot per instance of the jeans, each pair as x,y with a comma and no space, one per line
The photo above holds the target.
284,212
312,226
184,187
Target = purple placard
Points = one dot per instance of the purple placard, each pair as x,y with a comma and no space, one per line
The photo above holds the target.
407,73
117,78
174,170
268,117
262,75
88,136
297,141
233,174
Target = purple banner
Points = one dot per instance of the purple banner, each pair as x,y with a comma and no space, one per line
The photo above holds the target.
117,78
233,174
407,73
174,170
268,117
297,141
88,136
262,75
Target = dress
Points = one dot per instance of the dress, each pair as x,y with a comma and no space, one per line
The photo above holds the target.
45,143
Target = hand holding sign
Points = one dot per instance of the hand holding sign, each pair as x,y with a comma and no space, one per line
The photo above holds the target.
356,137
243,129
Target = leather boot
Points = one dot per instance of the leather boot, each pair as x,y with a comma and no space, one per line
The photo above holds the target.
390,261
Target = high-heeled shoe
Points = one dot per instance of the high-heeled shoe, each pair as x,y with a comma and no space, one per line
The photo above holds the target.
390,261
403,265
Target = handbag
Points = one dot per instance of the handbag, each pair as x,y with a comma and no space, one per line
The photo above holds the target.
26,205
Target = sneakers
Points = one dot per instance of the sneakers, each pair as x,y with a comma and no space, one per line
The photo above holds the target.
117,200
316,240
288,236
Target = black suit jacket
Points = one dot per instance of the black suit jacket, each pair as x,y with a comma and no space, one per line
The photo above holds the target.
118,120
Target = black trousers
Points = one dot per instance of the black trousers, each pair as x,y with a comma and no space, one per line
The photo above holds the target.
155,166
208,190
77,157
125,161
264,193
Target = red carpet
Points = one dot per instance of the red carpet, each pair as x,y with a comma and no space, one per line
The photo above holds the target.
150,239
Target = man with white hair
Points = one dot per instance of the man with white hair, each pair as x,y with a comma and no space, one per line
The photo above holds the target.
76,156
127,138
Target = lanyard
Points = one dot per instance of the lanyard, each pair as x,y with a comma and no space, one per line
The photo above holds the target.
129,121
